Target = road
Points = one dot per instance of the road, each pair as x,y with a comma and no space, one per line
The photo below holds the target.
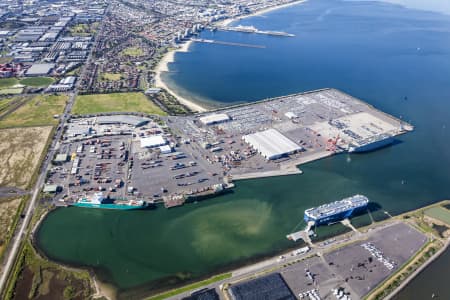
21,233
21,229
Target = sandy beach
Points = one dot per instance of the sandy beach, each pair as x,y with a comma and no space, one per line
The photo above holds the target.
227,22
163,65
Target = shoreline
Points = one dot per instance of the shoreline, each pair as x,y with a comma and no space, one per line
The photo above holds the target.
265,10
418,271
163,66
169,57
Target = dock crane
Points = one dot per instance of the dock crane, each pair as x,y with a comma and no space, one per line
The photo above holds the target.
332,144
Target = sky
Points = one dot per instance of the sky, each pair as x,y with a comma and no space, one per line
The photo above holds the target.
442,6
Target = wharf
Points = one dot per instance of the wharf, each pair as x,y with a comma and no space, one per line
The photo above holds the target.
207,41
273,173
252,29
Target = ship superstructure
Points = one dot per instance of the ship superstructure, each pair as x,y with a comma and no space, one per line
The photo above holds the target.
371,143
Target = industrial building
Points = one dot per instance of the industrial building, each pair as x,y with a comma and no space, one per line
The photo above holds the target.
214,119
40,69
166,149
61,158
271,287
153,141
64,84
271,144
131,120
51,188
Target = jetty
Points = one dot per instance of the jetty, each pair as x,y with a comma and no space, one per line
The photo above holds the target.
207,41
252,29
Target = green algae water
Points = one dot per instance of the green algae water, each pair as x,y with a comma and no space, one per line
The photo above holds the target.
395,58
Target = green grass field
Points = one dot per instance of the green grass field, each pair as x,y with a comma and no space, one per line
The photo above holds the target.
133,51
110,76
7,82
115,102
439,213
38,111
37,81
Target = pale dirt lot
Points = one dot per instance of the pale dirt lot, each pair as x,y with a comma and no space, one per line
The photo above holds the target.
20,153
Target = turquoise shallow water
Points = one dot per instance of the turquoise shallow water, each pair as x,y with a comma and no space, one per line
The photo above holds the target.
395,58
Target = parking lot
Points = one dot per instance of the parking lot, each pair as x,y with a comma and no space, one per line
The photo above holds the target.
365,264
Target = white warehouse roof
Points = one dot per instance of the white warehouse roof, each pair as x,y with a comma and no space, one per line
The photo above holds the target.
291,115
271,143
40,69
214,119
152,141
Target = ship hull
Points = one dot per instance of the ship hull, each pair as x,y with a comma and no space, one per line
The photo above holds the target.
336,217
109,206
372,146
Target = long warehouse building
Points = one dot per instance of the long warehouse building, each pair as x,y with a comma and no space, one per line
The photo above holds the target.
271,144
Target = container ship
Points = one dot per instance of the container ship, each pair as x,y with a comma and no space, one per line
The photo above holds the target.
372,143
99,201
336,211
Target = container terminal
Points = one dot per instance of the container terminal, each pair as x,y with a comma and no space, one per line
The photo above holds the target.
179,159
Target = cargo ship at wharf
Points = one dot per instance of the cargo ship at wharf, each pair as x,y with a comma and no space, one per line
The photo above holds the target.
336,211
99,201
371,144
197,195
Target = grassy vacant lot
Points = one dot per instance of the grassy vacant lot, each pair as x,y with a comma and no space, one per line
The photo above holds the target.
133,51
439,213
8,82
8,212
38,111
5,103
37,81
11,91
20,152
84,29
115,102
110,76
40,279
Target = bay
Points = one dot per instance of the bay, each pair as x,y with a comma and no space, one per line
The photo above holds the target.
392,57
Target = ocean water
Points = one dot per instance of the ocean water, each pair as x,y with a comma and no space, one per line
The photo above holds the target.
395,58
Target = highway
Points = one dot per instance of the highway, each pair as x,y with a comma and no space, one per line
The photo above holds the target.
21,229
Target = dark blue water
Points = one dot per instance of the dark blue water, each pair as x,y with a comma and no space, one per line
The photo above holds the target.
397,59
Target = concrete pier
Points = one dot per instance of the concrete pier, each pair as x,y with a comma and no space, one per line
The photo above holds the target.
207,41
